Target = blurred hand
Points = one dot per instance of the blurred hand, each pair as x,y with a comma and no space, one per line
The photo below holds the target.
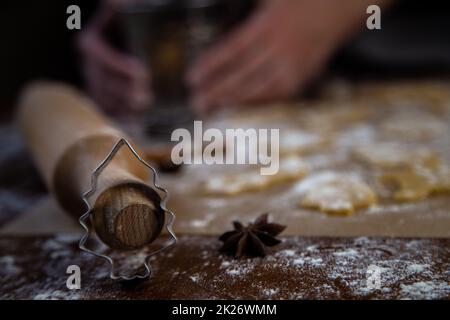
116,81
277,52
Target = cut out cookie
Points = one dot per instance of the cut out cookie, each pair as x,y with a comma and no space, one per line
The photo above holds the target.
394,155
420,92
294,141
414,173
300,142
291,142
328,117
291,169
335,193
417,183
414,126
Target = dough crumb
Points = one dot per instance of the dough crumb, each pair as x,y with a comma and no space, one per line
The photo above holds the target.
291,168
336,193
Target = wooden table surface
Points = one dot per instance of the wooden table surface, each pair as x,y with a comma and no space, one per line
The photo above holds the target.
299,268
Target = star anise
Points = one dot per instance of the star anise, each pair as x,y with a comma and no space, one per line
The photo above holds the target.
253,239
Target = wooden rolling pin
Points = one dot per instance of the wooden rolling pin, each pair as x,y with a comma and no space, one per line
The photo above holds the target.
68,138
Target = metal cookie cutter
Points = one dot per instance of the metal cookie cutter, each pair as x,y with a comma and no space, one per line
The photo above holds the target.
83,220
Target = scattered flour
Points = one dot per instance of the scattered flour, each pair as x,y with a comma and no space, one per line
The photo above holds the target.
357,135
299,262
425,290
287,253
8,265
350,253
57,295
316,262
416,268
307,260
311,182
270,292
234,272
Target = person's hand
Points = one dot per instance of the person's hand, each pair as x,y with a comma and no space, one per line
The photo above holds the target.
116,81
273,55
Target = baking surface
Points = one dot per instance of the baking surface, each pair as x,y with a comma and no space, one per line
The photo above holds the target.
299,268
346,117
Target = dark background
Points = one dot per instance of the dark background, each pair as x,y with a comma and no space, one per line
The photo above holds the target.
35,43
